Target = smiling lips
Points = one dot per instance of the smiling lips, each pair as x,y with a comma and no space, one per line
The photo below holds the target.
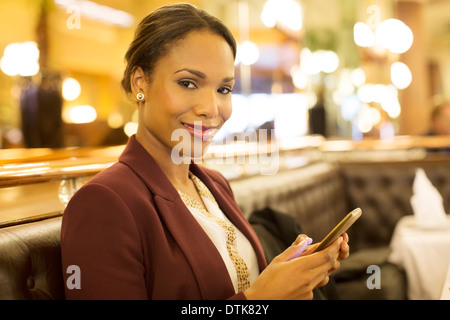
199,131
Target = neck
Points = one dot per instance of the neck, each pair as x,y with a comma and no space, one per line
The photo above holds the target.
178,174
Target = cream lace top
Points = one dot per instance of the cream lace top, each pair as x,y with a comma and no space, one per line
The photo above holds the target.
234,248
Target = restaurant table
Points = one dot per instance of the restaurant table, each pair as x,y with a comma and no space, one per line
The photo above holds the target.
424,254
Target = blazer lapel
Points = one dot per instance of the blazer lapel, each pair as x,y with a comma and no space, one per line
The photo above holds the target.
201,253
188,234
233,212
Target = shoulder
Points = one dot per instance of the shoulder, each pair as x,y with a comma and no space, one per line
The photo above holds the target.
114,197
119,179
116,187
114,174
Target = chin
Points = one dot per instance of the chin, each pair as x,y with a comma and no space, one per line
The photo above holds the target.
199,148
190,150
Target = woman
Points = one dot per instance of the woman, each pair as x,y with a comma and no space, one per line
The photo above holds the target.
154,227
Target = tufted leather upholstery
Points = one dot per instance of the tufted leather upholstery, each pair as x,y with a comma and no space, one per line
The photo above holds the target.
30,261
319,195
315,195
383,190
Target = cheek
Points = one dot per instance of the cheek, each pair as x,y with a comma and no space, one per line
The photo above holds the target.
163,107
226,110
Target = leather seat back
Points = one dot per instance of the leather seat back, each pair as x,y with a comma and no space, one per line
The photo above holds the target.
30,261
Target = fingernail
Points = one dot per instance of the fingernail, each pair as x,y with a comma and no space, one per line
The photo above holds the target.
301,247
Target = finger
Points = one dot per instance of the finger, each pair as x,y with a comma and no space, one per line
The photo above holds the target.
310,249
345,237
338,242
300,238
344,251
344,245
330,255
320,275
320,264
333,254
294,250
324,282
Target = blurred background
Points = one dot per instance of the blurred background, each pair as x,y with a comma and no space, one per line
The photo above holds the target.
341,69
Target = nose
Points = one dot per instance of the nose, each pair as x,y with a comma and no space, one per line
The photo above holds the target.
208,105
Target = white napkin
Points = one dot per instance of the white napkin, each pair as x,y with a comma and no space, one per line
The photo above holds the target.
427,202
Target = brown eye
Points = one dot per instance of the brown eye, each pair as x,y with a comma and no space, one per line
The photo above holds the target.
187,84
225,90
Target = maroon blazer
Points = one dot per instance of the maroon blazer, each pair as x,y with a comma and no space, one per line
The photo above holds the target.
132,237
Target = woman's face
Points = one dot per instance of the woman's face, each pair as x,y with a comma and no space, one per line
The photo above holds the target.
189,96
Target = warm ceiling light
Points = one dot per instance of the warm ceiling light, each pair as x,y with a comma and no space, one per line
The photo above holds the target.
20,59
247,53
394,35
363,35
287,13
71,89
80,114
401,75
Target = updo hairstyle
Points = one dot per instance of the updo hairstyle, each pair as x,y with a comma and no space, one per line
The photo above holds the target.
161,29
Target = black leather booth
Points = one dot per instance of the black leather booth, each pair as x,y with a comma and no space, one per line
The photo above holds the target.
30,261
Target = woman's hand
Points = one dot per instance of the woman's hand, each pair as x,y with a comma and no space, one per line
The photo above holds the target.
296,272
343,254
345,249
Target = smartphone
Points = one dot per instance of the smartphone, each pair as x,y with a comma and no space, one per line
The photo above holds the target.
339,229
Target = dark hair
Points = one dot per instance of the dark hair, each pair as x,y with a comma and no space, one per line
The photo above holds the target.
162,28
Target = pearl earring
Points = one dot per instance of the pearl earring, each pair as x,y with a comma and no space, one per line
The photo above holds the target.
140,96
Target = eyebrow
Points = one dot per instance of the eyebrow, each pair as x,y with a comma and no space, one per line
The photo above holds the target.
201,75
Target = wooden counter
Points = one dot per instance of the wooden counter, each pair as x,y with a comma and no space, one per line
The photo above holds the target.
37,183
